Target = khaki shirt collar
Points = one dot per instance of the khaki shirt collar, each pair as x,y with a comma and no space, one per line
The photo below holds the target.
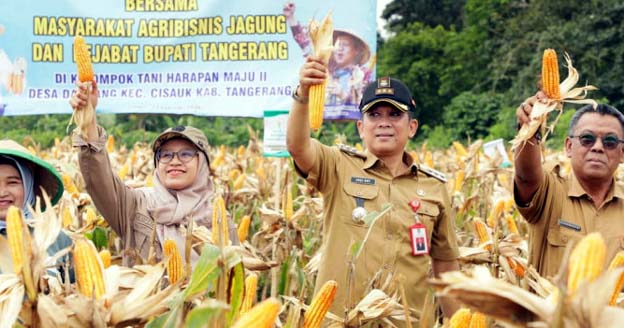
576,190
371,160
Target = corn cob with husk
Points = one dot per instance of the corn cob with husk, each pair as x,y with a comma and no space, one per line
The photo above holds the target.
459,181
322,37
315,314
618,261
251,284
492,219
287,204
175,267
557,93
243,228
586,261
240,181
482,233
260,316
21,249
511,224
105,256
460,319
82,56
220,232
89,269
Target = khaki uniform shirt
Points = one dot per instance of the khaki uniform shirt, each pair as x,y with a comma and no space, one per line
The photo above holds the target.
343,176
561,211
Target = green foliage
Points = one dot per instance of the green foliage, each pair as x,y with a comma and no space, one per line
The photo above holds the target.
470,115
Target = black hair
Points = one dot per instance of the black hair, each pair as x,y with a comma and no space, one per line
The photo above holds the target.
601,109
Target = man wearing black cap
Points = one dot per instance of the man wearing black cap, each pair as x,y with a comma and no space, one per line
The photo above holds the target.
355,183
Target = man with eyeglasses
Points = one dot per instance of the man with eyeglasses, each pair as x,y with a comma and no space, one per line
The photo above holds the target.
144,218
559,208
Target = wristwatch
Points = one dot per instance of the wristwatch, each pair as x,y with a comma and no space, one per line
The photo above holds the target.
298,98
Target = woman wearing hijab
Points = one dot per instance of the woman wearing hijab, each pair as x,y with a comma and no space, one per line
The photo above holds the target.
146,217
23,178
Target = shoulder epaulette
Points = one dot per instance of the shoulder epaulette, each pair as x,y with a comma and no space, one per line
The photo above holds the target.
432,173
350,150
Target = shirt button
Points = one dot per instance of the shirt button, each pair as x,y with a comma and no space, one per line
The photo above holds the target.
389,236
564,238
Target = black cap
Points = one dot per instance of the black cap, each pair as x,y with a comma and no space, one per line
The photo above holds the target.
389,90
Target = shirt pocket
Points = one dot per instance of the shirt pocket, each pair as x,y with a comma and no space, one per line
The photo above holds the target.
428,214
143,229
368,194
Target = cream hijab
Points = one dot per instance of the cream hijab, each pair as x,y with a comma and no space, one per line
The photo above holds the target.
172,208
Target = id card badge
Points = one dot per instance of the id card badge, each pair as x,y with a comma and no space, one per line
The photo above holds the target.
418,239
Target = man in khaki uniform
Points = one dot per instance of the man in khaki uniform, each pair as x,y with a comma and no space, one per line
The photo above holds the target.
355,183
560,208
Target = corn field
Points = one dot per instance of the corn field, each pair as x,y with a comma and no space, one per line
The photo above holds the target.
268,280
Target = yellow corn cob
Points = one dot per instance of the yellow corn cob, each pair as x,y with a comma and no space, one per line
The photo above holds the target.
88,268
459,149
19,241
317,105
550,74
241,151
220,233
511,224
67,218
21,250
90,216
133,158
482,233
260,316
105,256
429,159
315,314
175,268
240,181
586,261
260,173
478,320
617,262
358,147
492,219
110,143
251,284
459,180
509,204
460,319
287,204
68,184
83,60
243,228
233,174
123,171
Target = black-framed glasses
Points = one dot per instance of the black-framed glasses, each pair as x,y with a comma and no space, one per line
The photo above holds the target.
610,141
184,155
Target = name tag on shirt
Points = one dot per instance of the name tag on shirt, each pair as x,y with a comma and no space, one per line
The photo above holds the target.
569,225
362,180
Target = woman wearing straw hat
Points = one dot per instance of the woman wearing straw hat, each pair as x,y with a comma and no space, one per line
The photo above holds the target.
144,218
24,178
350,66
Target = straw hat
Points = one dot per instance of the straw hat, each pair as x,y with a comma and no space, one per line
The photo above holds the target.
44,173
365,55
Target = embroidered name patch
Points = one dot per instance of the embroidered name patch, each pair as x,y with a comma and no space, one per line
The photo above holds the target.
364,181
569,225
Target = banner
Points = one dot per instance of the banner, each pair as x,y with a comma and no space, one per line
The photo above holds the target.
202,57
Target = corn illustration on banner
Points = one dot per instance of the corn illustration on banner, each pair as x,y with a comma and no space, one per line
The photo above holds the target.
202,57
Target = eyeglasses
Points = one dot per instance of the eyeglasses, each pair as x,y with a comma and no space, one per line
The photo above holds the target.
610,141
184,155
